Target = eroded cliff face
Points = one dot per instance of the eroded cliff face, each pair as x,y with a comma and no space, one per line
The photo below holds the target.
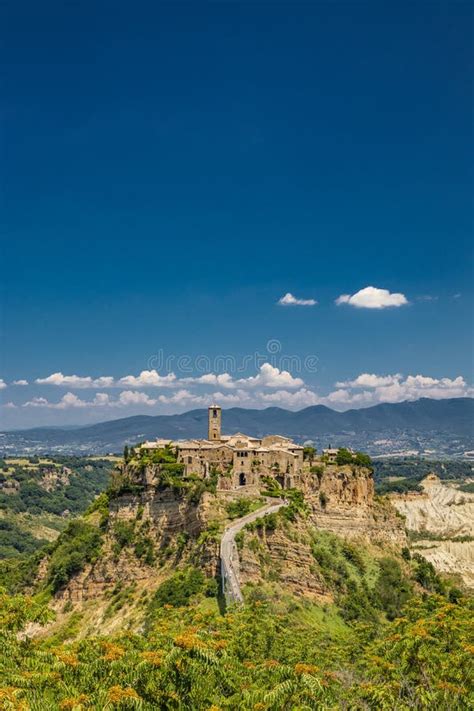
339,500
342,500
153,528
283,556
442,519
156,516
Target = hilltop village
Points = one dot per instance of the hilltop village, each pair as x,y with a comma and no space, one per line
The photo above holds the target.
240,459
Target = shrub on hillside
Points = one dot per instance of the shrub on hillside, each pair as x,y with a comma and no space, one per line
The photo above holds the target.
180,588
79,544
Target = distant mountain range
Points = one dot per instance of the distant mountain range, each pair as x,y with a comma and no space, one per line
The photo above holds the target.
442,427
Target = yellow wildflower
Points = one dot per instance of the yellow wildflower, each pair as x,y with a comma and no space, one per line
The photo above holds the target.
112,651
68,658
120,693
188,641
154,658
74,703
302,668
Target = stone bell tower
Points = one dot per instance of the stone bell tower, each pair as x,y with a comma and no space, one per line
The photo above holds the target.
215,417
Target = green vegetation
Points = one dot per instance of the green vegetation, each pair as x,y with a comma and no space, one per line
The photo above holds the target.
73,484
395,635
358,459
38,496
14,540
242,506
181,588
344,457
401,486
261,657
416,466
296,505
79,544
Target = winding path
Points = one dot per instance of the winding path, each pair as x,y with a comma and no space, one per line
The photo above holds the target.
229,553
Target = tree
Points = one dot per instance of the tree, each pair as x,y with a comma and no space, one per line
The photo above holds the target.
362,460
343,457
392,589
309,453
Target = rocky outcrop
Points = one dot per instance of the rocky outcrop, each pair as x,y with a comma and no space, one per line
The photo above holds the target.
342,501
442,517
285,558
178,523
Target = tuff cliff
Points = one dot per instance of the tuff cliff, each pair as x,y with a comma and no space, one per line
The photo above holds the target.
153,522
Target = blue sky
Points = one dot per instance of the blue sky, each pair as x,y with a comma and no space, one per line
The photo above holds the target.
169,172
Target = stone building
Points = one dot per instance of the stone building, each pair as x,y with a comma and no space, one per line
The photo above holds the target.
240,460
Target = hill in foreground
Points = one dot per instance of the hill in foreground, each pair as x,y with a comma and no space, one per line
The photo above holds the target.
337,613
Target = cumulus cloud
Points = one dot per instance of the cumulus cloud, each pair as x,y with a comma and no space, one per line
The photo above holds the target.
148,379
290,300
20,382
145,379
370,389
223,380
183,397
370,380
132,397
268,376
69,400
76,381
285,398
271,377
2,384
372,298
270,386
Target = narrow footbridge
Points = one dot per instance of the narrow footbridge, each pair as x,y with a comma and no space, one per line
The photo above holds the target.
230,555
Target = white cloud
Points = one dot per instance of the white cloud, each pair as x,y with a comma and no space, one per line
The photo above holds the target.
370,380
70,401
290,300
148,379
271,377
372,298
270,386
285,398
268,377
370,389
76,381
20,382
131,397
223,380
182,397
10,405
2,384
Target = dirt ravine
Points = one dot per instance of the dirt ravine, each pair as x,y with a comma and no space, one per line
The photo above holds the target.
443,512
